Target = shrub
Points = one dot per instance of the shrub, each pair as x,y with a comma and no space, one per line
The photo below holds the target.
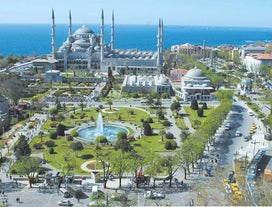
134,95
69,138
166,123
37,146
53,124
50,143
101,139
53,135
170,145
74,133
122,135
169,135
51,151
149,120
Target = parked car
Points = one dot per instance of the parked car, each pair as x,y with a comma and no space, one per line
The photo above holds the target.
65,202
246,138
238,133
154,195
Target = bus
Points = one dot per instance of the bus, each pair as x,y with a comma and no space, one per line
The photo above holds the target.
74,190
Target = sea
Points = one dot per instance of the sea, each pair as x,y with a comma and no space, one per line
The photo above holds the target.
35,39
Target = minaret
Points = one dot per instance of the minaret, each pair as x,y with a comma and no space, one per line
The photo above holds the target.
159,46
70,24
53,35
102,38
204,49
112,32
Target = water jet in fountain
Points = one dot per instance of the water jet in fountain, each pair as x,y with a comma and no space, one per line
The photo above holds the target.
109,131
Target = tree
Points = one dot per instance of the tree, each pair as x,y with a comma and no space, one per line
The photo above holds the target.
147,129
61,130
119,164
194,104
200,112
109,102
171,165
27,165
122,142
104,158
136,165
13,88
81,105
162,133
175,107
77,146
53,111
22,148
204,106
41,133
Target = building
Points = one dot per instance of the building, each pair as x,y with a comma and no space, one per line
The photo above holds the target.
84,49
196,86
250,49
146,84
53,76
177,74
188,49
252,61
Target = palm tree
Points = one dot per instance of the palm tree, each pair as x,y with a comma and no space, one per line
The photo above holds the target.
109,102
162,133
41,133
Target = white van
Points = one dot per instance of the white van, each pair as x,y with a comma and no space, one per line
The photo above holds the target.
64,192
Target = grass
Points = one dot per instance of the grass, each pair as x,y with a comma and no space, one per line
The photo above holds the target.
195,120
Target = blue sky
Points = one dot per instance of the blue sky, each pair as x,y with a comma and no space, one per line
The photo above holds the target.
249,13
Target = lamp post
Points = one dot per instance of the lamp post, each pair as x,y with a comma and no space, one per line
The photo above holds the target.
3,125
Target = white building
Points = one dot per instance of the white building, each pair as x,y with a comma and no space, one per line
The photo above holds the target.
196,86
252,61
147,84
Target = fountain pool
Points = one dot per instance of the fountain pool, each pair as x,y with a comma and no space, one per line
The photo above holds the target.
109,131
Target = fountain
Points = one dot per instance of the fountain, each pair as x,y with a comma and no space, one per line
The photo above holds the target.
109,131
99,125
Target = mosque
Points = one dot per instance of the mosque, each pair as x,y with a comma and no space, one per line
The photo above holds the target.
84,49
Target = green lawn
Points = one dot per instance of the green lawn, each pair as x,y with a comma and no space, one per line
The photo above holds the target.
195,120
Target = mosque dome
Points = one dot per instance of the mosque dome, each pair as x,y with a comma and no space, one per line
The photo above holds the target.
195,73
83,30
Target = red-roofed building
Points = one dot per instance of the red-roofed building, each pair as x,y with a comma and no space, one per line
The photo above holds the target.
177,74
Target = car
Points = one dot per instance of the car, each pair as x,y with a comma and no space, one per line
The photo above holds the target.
246,138
154,195
238,133
65,202
253,126
251,131
250,113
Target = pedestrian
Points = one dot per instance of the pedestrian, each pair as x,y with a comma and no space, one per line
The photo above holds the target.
7,175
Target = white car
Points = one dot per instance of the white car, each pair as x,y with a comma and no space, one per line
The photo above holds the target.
65,202
238,133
